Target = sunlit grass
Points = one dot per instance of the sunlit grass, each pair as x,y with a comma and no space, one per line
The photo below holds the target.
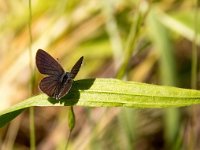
99,32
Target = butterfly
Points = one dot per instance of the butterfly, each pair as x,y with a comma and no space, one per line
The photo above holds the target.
57,83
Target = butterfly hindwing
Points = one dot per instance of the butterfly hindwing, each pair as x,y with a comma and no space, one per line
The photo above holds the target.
65,88
49,85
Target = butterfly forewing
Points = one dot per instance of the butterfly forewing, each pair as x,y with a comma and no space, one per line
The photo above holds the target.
46,64
75,68
49,85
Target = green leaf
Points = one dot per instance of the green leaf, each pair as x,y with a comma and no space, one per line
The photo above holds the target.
110,93
6,117
71,118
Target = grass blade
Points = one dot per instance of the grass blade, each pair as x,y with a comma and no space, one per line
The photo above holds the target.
102,92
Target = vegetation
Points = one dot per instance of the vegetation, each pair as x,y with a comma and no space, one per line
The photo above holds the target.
136,55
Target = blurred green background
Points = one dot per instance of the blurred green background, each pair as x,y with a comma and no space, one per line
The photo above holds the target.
146,41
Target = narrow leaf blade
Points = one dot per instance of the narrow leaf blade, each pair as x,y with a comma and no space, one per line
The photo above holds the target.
111,93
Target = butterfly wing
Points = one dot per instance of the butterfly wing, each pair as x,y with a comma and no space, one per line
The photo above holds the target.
75,68
49,85
65,88
46,64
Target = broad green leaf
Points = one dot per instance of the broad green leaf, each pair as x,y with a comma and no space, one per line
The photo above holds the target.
110,93
8,116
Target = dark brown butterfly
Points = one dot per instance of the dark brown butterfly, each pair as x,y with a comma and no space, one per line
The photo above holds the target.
58,82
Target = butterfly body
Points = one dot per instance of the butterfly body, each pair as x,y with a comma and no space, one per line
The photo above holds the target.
58,82
65,77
